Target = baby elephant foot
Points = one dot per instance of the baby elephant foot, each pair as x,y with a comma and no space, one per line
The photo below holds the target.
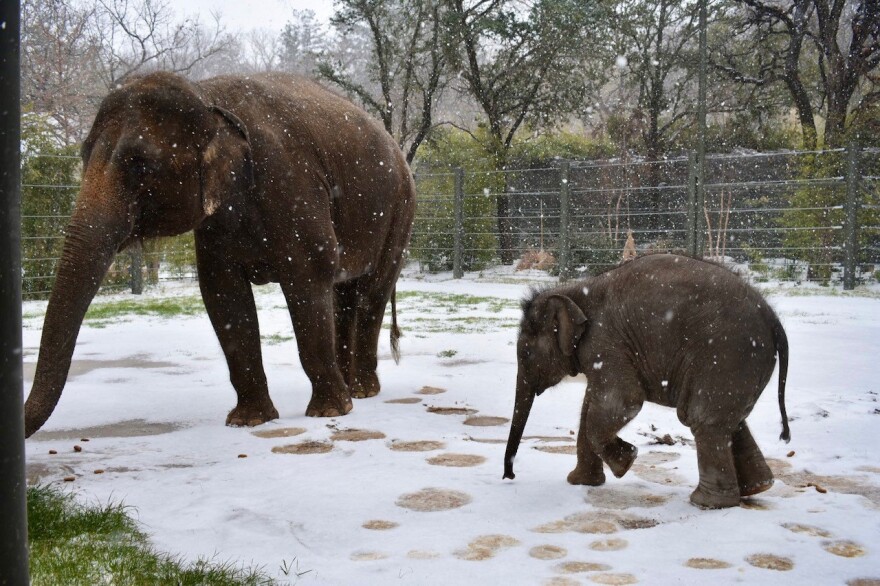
334,405
754,489
249,416
619,455
366,385
711,499
586,477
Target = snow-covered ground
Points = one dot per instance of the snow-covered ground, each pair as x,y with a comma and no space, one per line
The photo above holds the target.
151,395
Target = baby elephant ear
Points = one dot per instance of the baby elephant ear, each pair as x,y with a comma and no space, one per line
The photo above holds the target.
570,322
227,163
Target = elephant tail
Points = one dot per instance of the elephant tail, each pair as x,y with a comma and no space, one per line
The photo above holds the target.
781,341
395,331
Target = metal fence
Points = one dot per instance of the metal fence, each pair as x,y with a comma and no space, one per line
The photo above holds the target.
787,215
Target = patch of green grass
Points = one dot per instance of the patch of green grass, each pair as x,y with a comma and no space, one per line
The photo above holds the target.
169,307
74,544
447,353
276,338
451,302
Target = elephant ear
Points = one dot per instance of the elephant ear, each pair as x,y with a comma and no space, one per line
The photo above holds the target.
569,320
227,164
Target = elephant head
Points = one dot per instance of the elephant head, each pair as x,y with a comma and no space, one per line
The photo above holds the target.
158,160
551,327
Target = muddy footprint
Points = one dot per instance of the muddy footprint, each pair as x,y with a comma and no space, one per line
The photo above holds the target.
433,499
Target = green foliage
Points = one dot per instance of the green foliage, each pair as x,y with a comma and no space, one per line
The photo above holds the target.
73,544
433,232
50,181
540,150
818,210
594,252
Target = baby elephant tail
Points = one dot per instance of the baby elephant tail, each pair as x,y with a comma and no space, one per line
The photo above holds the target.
781,341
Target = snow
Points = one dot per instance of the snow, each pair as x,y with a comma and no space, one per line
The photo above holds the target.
180,468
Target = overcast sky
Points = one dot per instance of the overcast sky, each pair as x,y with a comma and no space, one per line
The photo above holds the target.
249,14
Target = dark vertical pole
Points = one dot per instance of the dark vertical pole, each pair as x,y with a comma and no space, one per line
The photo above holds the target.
692,216
458,228
13,491
852,212
701,142
136,269
564,222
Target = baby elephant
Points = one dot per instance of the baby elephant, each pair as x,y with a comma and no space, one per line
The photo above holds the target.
664,328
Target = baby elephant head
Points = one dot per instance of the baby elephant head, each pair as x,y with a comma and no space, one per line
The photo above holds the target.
551,328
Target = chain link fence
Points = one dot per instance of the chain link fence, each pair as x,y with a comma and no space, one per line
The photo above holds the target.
790,216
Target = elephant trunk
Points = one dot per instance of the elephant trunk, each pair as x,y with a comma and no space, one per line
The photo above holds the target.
89,249
524,399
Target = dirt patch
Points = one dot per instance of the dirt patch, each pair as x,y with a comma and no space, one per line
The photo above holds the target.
658,458
304,448
706,564
452,410
404,401
548,552
368,556
652,473
417,446
485,547
281,432
418,554
130,428
620,579
568,450
580,567
486,441
609,545
559,581
485,421
549,438
871,469
807,530
844,548
769,561
624,497
861,486
456,460
380,525
356,435
637,523
864,582
755,504
590,522
430,391
433,499
81,367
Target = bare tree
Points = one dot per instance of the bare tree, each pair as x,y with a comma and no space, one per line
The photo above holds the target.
141,35
407,64
303,43
57,62
830,45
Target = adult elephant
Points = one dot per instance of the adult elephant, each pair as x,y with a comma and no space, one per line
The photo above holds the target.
283,182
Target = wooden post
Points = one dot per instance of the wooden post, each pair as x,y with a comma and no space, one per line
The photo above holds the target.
851,236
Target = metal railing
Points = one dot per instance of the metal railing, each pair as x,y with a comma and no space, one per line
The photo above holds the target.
788,216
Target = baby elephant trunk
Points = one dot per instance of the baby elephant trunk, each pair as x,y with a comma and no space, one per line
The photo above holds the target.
524,399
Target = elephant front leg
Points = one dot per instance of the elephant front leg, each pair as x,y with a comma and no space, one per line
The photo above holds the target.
589,465
752,472
230,306
606,410
718,486
312,310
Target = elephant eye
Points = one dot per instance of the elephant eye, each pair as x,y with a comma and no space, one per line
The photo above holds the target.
140,168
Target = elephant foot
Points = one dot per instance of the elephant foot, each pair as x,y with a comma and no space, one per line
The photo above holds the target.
334,405
366,385
754,489
619,455
250,416
711,499
579,476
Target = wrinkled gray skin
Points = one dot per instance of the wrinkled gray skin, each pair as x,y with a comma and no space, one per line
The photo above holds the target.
667,329
282,181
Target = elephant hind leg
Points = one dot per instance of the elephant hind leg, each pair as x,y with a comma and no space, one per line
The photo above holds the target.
345,314
752,473
718,486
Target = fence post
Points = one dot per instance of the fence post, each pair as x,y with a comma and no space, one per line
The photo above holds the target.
136,268
692,218
851,238
13,489
564,222
458,228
